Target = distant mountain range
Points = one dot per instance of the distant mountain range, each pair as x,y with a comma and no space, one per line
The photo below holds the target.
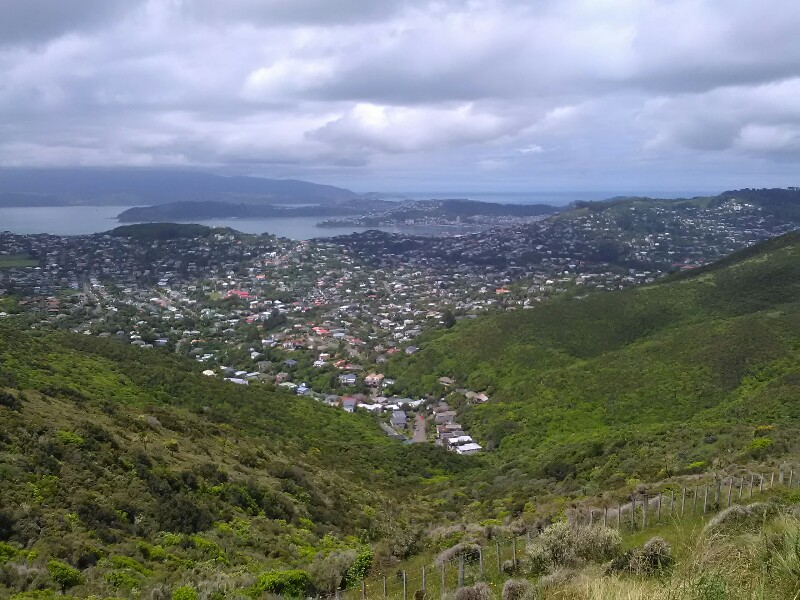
95,186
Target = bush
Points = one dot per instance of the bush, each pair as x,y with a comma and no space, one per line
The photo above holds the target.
479,591
653,557
63,575
561,544
184,592
736,516
295,583
515,589
328,572
469,550
360,567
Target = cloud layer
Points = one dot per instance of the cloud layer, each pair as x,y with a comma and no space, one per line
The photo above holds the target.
410,94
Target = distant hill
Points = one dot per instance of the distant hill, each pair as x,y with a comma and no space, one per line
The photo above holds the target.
783,203
112,186
590,393
189,211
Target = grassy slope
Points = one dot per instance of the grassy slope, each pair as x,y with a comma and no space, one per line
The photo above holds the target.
248,478
638,383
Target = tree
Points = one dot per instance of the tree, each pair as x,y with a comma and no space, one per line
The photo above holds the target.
63,575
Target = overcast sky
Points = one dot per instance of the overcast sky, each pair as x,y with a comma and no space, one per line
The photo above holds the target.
623,95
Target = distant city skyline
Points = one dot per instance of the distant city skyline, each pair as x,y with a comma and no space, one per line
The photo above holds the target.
487,96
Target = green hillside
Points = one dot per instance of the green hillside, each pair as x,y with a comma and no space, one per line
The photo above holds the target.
596,393
133,467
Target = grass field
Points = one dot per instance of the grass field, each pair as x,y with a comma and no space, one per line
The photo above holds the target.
13,261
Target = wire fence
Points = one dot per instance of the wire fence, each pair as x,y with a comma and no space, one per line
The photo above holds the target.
502,557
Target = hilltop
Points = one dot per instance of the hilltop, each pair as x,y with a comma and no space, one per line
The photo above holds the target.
595,392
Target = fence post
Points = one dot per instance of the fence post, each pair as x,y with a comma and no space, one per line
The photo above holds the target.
363,590
384,588
619,517
633,514
424,582
741,486
752,478
717,491
791,476
514,546
730,489
497,547
671,503
480,560
405,589
645,503
338,594
444,580
772,481
605,515
694,504
461,571
658,514
705,501
591,517
683,501
761,484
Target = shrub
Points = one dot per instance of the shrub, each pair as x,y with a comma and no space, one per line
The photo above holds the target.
469,550
561,544
759,447
653,557
184,592
515,589
63,575
538,560
740,516
328,572
295,583
479,591
7,552
360,567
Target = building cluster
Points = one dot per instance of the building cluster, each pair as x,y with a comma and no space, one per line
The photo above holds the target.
323,318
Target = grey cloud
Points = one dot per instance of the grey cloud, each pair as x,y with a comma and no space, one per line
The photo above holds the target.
36,21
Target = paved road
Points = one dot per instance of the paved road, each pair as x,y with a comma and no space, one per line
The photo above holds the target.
419,430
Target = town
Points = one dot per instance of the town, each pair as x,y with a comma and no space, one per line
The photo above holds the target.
327,318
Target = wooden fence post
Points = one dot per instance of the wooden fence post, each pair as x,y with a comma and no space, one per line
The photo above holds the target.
497,547
461,571
591,517
424,582
730,489
683,501
741,486
694,503
619,517
633,514
514,546
717,490
405,588
363,590
791,476
480,560
705,501
645,503
671,503
605,515
384,588
772,481
752,478
761,484
658,514
444,580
